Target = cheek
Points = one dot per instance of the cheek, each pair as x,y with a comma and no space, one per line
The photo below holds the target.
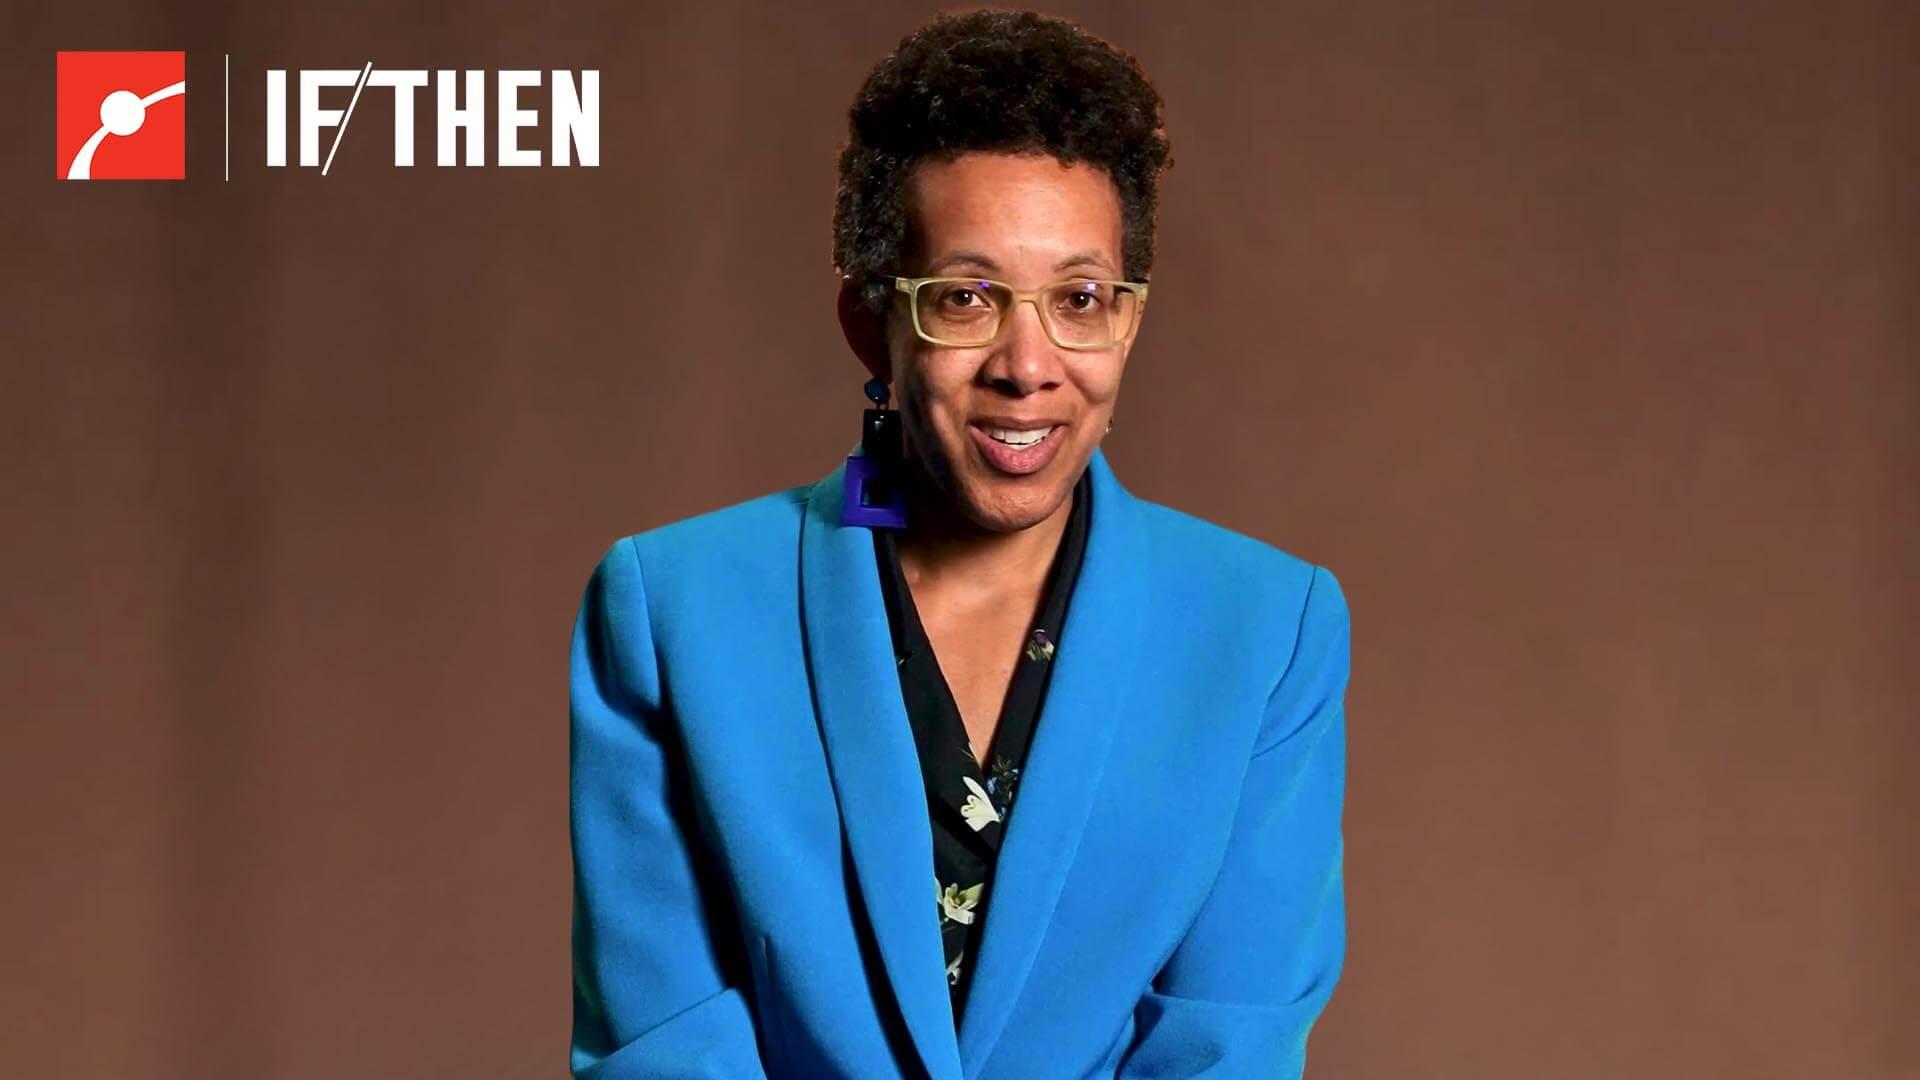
941,387
1099,383
926,406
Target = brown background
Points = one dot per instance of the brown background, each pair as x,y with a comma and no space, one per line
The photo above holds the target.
1578,339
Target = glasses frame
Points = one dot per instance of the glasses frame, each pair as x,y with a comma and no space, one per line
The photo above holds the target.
911,287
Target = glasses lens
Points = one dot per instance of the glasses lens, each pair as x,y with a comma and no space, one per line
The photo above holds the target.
961,312
1091,314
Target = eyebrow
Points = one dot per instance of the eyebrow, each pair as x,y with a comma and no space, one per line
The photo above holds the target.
1089,257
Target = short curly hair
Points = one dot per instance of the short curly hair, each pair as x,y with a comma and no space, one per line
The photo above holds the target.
994,81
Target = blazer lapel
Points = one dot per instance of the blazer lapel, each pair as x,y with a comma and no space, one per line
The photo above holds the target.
876,771
875,768
1099,647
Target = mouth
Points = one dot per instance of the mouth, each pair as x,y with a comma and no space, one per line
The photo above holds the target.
1017,449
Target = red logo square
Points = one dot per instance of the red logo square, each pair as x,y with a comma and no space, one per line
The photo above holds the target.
120,115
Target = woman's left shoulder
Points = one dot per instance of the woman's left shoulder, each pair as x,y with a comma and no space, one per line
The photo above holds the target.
1233,562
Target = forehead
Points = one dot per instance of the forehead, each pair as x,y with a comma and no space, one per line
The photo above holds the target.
1014,208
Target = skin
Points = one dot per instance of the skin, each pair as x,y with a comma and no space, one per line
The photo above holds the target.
980,542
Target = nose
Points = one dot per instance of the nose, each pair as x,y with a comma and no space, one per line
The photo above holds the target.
1024,360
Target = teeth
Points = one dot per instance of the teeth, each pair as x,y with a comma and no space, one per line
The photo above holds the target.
1013,437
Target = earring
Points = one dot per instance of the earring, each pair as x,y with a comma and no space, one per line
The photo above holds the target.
874,495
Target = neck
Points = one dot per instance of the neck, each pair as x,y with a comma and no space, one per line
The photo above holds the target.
944,547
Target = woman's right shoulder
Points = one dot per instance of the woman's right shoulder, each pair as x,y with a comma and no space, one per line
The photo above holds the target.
743,541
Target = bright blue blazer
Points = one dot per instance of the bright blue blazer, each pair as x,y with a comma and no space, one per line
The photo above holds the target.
753,883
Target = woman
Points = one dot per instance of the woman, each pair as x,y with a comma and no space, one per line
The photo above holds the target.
964,761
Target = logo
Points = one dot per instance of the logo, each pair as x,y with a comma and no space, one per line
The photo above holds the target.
120,115
123,115
461,121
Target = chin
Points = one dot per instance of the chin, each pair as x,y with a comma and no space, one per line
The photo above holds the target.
993,511
1003,503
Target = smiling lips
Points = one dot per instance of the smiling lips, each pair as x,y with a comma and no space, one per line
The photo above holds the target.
1016,448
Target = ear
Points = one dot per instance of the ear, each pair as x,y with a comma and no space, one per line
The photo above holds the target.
865,331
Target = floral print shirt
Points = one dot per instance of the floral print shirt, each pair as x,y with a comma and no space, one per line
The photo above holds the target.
969,807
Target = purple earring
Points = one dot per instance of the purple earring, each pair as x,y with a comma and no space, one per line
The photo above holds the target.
875,495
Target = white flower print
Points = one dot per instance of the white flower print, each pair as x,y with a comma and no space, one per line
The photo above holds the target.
978,809
953,970
956,903
1039,646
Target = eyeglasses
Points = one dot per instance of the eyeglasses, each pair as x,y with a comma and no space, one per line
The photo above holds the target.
968,312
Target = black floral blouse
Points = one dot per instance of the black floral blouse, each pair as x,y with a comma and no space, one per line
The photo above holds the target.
969,810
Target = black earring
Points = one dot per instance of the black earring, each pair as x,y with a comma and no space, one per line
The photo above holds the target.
873,494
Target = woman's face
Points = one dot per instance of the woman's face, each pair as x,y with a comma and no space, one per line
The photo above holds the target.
1026,220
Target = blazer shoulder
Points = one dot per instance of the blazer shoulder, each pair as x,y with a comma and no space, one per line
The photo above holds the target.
1288,603
1230,558
743,541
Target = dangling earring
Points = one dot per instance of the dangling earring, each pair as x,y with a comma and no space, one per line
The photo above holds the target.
875,495
1110,421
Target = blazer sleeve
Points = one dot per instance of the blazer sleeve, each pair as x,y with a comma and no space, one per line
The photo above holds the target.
1238,995
649,996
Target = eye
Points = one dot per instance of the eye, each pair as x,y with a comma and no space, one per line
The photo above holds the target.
1084,297
963,297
